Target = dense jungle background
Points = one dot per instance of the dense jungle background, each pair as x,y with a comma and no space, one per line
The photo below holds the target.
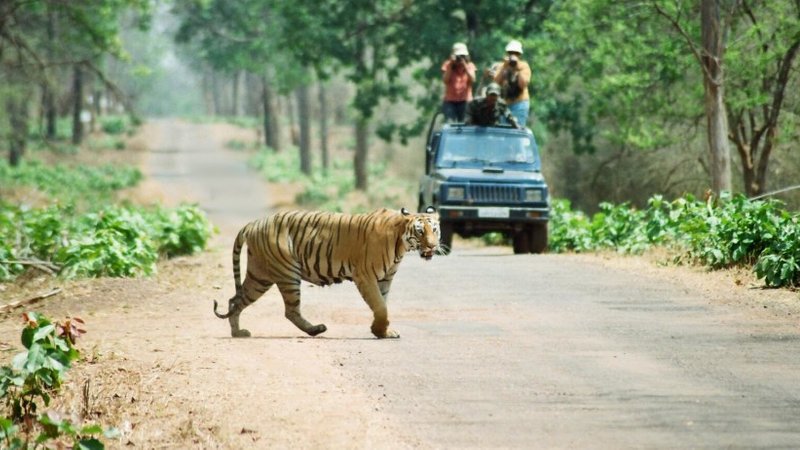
618,99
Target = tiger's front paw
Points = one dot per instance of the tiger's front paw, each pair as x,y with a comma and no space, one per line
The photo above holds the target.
240,333
386,333
317,329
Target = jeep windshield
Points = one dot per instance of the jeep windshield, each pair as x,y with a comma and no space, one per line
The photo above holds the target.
513,151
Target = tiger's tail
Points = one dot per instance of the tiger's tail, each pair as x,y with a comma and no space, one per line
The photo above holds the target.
238,243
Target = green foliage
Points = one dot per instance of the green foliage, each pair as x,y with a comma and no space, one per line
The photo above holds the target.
329,191
86,184
114,124
184,230
732,231
278,167
113,241
34,376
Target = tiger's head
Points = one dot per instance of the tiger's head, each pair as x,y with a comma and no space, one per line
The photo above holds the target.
422,232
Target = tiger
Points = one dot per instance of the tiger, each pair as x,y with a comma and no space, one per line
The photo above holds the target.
323,248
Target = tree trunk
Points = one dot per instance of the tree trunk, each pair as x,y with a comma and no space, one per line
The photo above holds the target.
253,100
294,135
303,116
236,104
271,131
77,105
215,94
713,79
17,110
49,96
323,128
208,93
360,159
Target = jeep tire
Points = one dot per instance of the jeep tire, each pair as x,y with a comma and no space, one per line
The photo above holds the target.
537,239
521,242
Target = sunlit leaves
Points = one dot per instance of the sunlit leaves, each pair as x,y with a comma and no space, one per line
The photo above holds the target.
732,231
28,384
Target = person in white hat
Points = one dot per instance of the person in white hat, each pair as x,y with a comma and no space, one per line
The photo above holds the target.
458,74
513,77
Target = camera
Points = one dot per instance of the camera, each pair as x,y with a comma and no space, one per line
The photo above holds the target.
461,58
512,62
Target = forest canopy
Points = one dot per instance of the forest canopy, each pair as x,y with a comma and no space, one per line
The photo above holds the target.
628,98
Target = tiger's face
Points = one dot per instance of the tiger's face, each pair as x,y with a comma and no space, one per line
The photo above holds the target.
423,234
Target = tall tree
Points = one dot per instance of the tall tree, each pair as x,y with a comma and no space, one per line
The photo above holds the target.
712,57
762,73
304,118
86,31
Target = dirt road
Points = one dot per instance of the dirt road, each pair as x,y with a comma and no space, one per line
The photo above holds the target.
497,350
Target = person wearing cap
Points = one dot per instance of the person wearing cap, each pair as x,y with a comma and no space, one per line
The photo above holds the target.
458,74
490,110
513,76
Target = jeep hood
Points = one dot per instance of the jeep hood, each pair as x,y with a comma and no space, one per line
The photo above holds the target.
476,175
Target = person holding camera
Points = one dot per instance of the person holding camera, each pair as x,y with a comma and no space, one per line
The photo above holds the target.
513,76
458,74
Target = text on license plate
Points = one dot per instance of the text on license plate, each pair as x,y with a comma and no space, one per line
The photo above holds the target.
494,212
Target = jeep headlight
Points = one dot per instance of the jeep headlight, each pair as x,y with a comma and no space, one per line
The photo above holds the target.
533,195
455,193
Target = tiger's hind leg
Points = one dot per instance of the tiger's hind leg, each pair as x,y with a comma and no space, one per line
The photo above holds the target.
252,290
291,301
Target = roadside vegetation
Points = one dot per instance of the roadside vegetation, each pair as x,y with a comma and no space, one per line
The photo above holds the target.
731,231
29,384
65,218
334,189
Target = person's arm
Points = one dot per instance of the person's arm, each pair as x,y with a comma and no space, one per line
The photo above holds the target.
471,72
500,74
447,70
524,75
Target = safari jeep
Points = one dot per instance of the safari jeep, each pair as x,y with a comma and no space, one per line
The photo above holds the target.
484,179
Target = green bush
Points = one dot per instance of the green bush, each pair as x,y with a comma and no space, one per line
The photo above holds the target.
85,184
114,124
28,384
184,230
732,231
112,241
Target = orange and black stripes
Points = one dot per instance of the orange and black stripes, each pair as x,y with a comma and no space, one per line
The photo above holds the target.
324,248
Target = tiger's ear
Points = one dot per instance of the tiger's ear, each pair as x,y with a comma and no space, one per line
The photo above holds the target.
430,210
404,211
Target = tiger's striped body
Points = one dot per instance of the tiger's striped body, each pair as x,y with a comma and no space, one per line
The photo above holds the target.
324,248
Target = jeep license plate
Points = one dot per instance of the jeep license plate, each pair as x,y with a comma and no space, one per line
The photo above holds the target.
494,212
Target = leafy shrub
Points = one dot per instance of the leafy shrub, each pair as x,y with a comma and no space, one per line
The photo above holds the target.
34,376
731,231
113,124
278,167
184,230
112,241
86,184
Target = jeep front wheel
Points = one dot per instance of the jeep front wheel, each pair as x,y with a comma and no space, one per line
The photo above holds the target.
538,238
521,242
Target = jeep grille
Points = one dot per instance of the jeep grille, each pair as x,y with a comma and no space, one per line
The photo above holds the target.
494,194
